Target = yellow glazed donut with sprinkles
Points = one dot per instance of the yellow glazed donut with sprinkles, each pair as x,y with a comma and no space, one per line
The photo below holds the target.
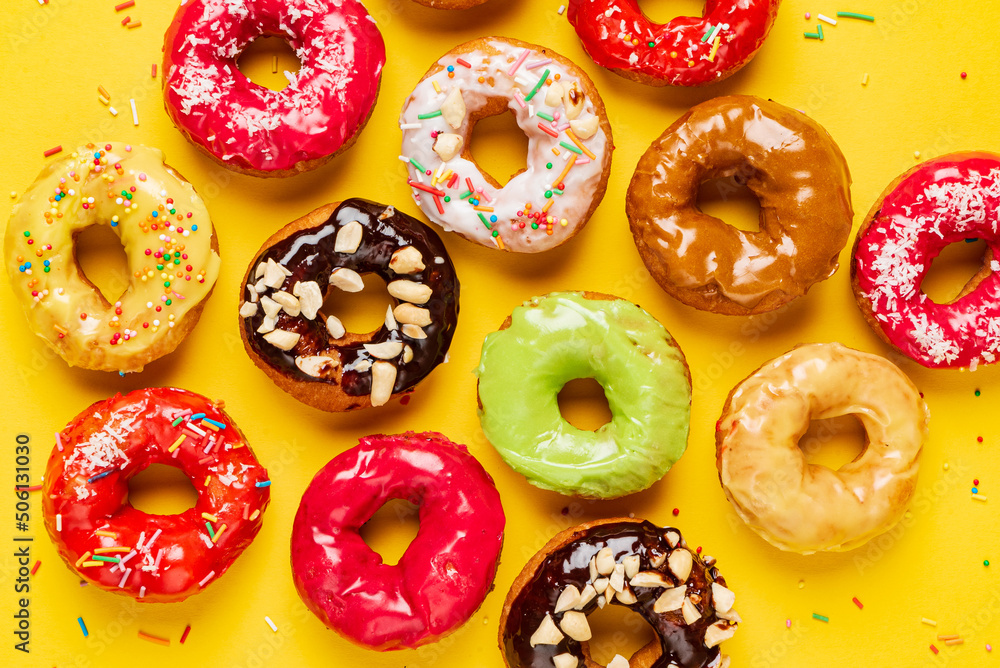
169,242
569,145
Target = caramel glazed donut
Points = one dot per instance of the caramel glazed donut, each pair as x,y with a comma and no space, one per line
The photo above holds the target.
622,561
312,356
803,507
569,145
797,172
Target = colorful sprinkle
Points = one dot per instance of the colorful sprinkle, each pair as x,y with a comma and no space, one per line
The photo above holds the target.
263,483
270,623
184,636
83,627
125,5
820,617
858,603
52,151
154,639
432,114
35,568
853,15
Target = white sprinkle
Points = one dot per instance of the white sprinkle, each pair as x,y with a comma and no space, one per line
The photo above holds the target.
156,564
827,19
135,114
205,539
112,111
403,158
562,8
124,578
59,437
58,522
538,63
410,126
142,592
270,623
138,543
121,564
211,442
207,577
153,539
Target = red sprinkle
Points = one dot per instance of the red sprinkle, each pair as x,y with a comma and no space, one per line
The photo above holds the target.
976,481
52,151
184,636
548,130
858,603
934,649
440,205
965,75
35,569
125,5
463,63
154,70
126,20
677,511
979,439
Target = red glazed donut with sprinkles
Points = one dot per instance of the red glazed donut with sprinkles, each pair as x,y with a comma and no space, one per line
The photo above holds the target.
252,129
686,51
939,202
169,243
569,145
152,558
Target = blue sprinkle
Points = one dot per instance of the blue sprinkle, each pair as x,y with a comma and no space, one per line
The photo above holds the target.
474,202
975,490
103,473
217,424
196,416
194,228
451,68
47,263
27,265
83,627
155,214
493,219
114,224
97,155
264,483
21,268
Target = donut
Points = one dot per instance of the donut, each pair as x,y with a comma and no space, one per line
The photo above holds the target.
152,558
251,129
553,339
937,203
445,573
619,561
311,356
569,145
450,4
803,507
686,51
169,243
790,163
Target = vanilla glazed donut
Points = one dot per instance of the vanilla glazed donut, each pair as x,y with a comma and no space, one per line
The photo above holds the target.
803,507
797,172
254,130
169,243
569,145
619,561
122,550
309,354
939,202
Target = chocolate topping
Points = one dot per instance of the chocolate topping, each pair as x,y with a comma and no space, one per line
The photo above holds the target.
309,255
681,643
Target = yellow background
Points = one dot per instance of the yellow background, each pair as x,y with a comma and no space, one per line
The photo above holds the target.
53,57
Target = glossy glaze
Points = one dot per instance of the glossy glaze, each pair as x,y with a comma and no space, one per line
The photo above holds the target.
308,255
617,35
940,202
681,644
805,507
446,571
797,172
122,436
531,213
249,127
159,214
565,335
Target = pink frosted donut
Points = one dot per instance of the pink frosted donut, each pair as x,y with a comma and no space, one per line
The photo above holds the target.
445,573
252,129
937,203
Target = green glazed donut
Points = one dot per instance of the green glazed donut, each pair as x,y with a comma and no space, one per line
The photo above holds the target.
551,340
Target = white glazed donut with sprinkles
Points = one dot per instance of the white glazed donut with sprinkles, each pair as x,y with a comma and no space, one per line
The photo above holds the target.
169,243
569,145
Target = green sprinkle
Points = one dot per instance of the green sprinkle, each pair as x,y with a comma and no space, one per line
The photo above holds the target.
821,618
447,198
465,194
548,194
542,114
432,114
557,191
211,531
570,147
813,35
177,422
110,560
417,165
852,15
534,226
819,29
159,267
47,269
545,76
27,233
978,393
986,562
168,302
651,45
704,38
485,222
548,165
495,233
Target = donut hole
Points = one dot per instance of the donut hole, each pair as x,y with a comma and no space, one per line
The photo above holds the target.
664,11
584,404
615,630
952,270
102,260
730,200
160,489
834,442
266,59
499,146
360,312
391,529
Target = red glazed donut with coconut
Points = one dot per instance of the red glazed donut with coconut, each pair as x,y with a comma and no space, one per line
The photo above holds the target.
252,129
686,51
940,202
445,573
158,558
